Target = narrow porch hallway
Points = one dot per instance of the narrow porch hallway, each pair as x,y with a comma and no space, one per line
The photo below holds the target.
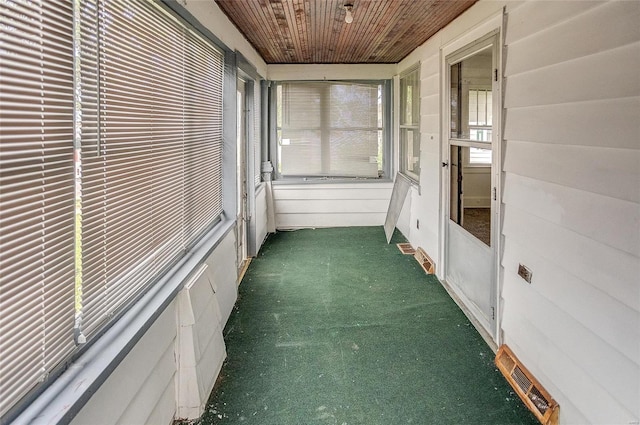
334,326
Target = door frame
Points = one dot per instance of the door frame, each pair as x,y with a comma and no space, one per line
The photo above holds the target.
492,27
242,167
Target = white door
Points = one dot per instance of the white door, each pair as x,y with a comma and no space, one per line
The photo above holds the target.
241,219
471,180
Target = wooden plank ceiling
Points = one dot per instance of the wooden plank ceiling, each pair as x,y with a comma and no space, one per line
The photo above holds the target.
315,31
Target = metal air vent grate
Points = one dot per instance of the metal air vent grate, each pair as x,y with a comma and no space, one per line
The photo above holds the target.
406,248
425,261
534,396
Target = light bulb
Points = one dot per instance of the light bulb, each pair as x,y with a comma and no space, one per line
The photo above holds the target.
349,18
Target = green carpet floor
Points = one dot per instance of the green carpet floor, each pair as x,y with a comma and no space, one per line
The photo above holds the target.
334,326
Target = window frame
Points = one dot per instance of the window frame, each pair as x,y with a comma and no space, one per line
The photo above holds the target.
384,174
488,125
405,127
200,144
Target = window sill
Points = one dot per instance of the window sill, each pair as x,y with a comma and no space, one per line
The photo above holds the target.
327,180
68,394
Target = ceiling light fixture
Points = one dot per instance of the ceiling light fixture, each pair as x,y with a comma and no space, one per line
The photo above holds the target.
349,17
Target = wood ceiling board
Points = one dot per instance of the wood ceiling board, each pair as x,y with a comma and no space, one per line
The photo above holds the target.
314,31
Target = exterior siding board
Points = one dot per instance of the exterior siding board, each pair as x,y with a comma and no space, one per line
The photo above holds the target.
529,17
592,77
594,216
133,389
563,41
585,123
603,170
571,199
331,205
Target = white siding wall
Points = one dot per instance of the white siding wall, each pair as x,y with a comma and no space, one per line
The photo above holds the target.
331,205
142,389
331,72
223,273
571,194
425,202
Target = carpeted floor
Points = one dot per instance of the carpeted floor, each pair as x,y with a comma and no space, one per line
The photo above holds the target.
334,326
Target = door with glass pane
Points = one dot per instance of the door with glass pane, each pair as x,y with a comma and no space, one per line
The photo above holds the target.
470,186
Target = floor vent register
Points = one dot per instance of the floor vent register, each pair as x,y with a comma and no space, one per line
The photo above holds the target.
534,396
420,255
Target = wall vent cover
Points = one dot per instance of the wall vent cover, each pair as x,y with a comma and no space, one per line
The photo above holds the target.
406,248
425,261
534,396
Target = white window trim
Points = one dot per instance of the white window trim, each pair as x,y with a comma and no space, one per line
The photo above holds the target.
387,133
413,177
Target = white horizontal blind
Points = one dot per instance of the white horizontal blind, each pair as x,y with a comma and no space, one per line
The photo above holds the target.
153,183
36,195
329,129
300,128
202,135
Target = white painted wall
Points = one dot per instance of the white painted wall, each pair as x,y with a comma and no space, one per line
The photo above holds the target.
571,203
331,72
476,187
142,389
209,14
331,204
571,195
